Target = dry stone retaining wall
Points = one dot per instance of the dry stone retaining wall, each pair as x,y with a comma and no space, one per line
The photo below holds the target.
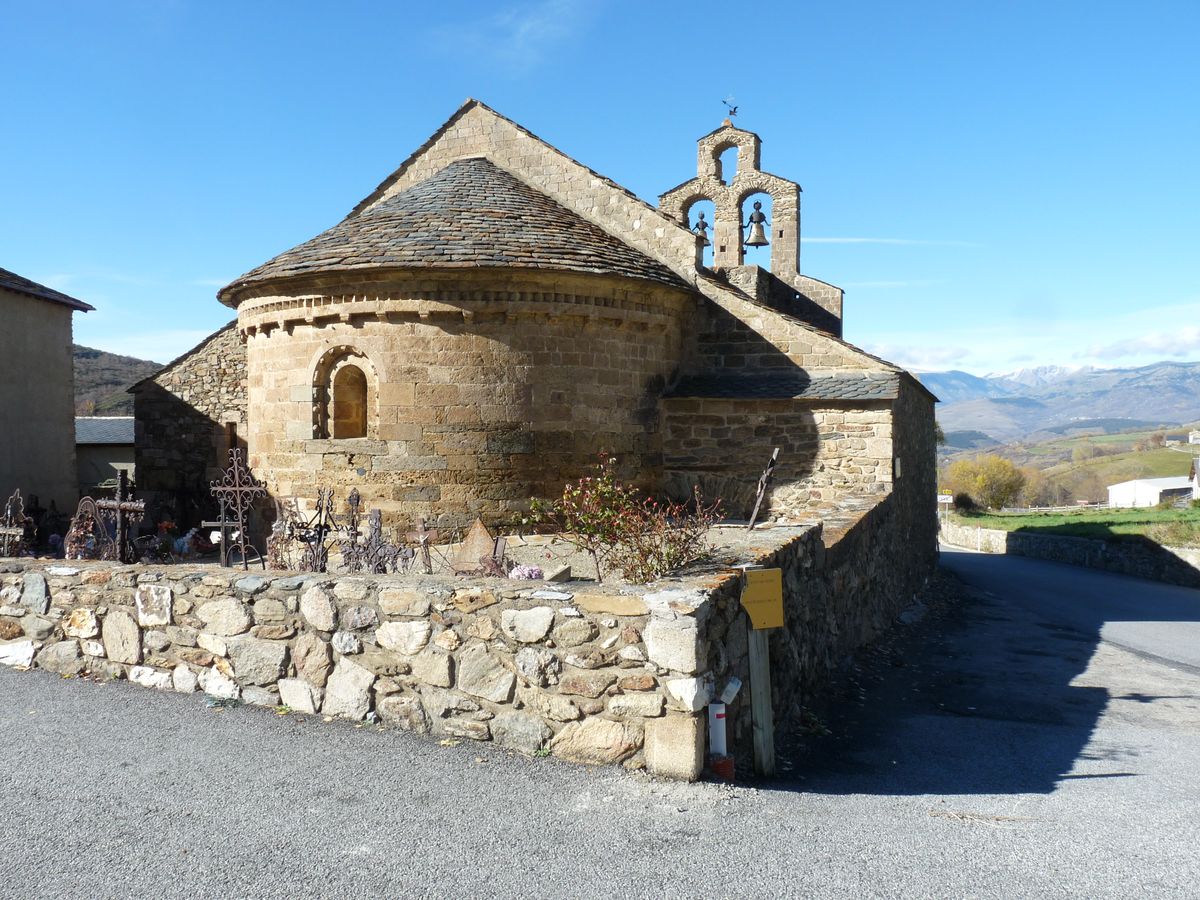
1173,565
586,675
592,674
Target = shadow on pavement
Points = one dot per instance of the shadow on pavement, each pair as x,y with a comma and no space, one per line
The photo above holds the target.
978,697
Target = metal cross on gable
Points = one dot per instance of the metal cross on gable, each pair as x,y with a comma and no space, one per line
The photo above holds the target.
237,490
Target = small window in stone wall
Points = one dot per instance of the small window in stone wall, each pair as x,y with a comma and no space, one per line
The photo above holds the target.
349,403
342,389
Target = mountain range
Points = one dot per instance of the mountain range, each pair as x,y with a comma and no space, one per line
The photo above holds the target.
1032,403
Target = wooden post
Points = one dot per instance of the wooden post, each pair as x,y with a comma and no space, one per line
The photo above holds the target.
762,712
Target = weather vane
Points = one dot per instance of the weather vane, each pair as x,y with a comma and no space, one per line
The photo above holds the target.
728,101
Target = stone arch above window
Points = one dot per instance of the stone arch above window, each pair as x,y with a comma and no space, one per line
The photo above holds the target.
345,391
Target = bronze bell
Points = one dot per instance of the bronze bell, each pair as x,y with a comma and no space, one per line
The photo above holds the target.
757,237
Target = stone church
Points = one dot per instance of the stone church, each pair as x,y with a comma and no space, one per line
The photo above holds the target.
495,313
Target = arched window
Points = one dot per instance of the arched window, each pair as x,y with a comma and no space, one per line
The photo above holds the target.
727,164
344,386
349,402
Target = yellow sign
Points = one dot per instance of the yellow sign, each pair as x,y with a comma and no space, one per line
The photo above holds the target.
762,597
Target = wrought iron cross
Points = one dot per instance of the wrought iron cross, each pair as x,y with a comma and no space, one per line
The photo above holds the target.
237,490
224,523
124,511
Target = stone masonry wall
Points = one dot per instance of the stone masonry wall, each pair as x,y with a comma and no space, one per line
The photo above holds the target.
592,674
473,407
182,424
914,485
826,452
845,582
586,673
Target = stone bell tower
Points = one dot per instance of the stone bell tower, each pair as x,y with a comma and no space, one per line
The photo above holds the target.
783,287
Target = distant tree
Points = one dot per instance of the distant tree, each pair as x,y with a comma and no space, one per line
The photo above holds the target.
989,480
938,434
1039,490
1158,439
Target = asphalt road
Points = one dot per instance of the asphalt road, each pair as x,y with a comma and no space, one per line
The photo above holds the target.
997,749
1159,620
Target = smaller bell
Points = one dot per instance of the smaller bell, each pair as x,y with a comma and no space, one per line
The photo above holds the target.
758,237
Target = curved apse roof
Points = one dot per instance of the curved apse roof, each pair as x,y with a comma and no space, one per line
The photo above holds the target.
470,214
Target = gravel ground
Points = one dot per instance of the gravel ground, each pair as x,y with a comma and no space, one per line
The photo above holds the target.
986,751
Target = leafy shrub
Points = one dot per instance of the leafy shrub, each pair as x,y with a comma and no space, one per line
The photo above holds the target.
641,538
663,537
990,480
964,503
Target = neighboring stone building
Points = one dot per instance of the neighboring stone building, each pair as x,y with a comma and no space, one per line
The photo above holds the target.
495,313
37,392
189,415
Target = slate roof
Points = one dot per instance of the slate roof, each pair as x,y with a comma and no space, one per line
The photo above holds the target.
791,385
470,214
14,282
97,430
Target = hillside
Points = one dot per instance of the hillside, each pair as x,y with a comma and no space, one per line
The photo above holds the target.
1089,479
101,380
1039,402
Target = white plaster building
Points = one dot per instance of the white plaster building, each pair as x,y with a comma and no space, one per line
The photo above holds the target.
1149,491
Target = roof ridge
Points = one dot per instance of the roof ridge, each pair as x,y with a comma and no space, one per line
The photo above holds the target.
177,360
21,285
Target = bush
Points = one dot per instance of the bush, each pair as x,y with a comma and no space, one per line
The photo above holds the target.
990,480
964,503
663,537
642,538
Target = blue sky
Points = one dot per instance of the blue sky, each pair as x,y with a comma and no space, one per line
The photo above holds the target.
996,185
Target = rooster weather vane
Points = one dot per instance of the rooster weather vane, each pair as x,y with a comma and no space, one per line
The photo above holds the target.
728,101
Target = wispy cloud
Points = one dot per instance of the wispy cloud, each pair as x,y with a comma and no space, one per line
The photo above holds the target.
521,34
1139,335
899,242
210,282
1177,343
923,358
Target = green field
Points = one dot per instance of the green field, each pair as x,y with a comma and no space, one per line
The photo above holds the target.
1171,526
